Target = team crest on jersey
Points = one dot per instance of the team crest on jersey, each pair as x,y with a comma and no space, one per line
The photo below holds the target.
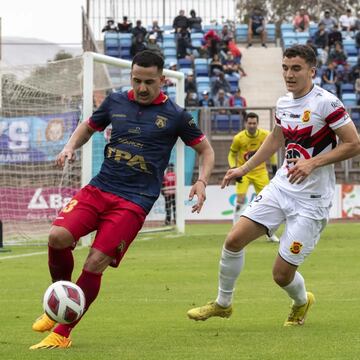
306,116
160,121
295,247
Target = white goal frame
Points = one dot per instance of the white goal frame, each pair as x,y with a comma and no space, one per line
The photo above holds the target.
89,59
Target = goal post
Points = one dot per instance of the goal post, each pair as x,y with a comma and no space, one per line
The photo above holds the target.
89,83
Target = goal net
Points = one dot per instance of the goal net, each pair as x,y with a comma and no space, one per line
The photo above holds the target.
40,106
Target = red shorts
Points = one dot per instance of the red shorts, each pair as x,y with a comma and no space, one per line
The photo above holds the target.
116,220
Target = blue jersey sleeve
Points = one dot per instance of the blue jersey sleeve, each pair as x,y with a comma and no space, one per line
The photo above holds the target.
100,118
189,133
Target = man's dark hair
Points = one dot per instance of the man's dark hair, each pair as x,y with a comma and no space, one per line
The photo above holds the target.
147,59
303,51
252,115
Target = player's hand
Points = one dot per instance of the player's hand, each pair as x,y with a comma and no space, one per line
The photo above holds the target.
198,189
300,169
231,174
65,154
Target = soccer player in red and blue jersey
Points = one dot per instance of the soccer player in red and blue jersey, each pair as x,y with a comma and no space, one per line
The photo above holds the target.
145,126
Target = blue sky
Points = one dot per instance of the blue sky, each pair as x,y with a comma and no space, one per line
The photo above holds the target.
51,20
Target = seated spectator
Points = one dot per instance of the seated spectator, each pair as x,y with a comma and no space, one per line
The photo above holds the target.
236,53
225,36
184,46
190,84
194,22
357,88
138,45
220,83
347,21
180,22
206,100
191,99
232,67
153,45
334,36
237,100
212,43
345,74
357,39
301,21
139,29
329,78
216,65
355,71
256,26
321,38
125,26
110,26
328,21
156,29
337,55
221,100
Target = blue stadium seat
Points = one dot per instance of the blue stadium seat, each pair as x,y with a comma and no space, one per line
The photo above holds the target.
170,60
313,29
124,36
197,35
241,32
201,71
198,61
203,80
287,27
110,35
271,32
113,52
170,52
347,88
111,43
169,44
235,120
125,43
186,71
167,36
349,100
222,122
352,60
197,42
185,63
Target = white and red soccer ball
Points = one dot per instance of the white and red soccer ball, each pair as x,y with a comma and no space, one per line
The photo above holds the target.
64,302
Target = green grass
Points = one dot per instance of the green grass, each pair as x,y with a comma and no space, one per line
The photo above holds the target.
141,310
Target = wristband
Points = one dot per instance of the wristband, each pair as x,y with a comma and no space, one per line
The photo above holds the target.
202,181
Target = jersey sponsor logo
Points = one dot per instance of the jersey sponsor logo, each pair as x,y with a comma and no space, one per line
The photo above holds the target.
294,116
119,115
136,161
136,130
306,116
248,155
295,247
336,104
160,121
295,151
131,143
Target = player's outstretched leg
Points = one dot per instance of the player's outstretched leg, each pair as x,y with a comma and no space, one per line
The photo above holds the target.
209,310
53,341
43,323
298,312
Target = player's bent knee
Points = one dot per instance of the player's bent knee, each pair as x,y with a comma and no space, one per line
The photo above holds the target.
282,278
60,238
97,261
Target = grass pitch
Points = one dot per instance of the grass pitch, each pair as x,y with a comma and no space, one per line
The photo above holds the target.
141,310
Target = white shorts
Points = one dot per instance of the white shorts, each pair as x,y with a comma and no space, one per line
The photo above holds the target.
303,222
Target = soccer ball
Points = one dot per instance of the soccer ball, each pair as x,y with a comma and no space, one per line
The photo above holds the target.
64,302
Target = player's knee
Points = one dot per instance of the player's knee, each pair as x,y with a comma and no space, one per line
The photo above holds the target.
60,238
97,261
282,278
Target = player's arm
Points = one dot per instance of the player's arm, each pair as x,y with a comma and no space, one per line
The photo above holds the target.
80,136
206,164
271,144
348,148
233,155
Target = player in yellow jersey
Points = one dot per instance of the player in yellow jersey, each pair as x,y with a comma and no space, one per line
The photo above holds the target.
244,146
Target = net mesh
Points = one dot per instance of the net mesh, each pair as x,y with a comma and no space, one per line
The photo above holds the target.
40,106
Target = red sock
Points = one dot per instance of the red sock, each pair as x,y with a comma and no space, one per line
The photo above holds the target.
90,284
61,263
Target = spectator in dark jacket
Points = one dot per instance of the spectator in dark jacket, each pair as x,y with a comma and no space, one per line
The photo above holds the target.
125,26
138,45
335,36
138,29
194,22
180,22
321,37
110,26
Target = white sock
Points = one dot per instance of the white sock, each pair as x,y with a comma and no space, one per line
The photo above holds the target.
231,264
296,290
238,210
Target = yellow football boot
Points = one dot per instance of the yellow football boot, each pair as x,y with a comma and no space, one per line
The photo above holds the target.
43,323
298,313
53,341
209,310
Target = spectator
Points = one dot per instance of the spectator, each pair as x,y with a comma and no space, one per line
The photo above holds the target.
357,40
301,21
180,22
334,36
191,99
338,55
194,22
110,26
221,99
212,43
355,71
328,21
156,29
190,84
237,100
329,78
231,67
206,100
220,83
139,29
216,65
347,21
256,26
236,53
183,45
321,38
152,45
125,26
168,190
225,36
357,88
138,45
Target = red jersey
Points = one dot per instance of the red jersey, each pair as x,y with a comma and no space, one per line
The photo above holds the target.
169,183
